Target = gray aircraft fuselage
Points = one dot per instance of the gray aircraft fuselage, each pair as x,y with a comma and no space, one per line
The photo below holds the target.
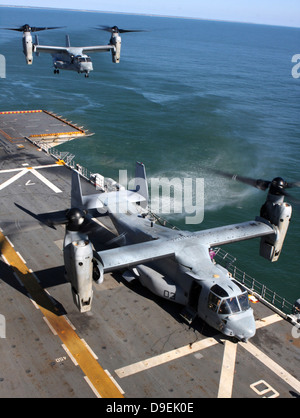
73,61
189,283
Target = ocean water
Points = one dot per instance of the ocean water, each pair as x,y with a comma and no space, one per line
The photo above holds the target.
187,95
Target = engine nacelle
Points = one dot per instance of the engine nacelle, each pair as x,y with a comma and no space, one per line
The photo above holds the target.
28,47
279,214
161,285
78,257
115,40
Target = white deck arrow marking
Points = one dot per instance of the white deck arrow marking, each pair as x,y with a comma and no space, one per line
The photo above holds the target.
14,178
46,181
23,171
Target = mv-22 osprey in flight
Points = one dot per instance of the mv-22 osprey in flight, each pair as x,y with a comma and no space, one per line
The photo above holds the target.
71,57
173,264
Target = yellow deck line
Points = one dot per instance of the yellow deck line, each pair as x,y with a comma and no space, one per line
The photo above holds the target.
88,364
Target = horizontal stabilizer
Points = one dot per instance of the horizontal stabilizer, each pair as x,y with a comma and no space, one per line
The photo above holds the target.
111,200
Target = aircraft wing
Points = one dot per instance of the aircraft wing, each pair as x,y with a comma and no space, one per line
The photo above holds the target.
97,48
50,49
132,255
183,249
234,233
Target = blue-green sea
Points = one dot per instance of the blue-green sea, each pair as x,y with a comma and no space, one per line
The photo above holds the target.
187,95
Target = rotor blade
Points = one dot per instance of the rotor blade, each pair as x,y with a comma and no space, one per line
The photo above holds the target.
49,219
131,30
89,226
27,28
37,29
16,29
76,192
293,184
258,184
115,29
107,28
291,199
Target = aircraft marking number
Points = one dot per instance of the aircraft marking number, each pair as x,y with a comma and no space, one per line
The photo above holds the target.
169,295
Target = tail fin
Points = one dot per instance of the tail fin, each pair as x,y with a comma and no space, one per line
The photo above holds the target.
76,193
141,185
94,201
68,43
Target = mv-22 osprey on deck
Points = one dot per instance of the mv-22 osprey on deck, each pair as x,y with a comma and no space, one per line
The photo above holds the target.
173,264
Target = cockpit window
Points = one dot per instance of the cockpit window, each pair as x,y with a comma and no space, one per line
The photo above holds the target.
244,301
88,59
233,304
218,301
229,306
239,285
213,302
224,308
218,290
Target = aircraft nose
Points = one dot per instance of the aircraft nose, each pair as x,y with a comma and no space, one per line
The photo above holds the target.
86,67
241,326
247,334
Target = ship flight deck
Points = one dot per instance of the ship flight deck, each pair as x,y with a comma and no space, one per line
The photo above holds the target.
40,126
131,344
